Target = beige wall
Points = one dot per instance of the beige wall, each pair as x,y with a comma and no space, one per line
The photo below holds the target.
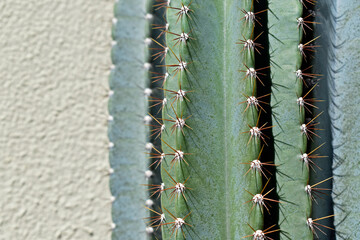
54,58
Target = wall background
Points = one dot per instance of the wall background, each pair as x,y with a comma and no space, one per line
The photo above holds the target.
54,61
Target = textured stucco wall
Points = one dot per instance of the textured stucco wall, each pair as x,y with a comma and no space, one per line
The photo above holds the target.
54,59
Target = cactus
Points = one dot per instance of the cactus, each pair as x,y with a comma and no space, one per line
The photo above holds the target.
293,172
223,73
128,110
340,58
211,166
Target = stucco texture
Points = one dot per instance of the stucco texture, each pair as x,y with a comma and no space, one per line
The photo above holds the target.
54,66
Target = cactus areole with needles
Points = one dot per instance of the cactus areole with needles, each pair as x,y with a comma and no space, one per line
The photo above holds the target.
214,109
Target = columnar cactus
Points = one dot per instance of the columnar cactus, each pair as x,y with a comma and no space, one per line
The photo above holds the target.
238,125
129,81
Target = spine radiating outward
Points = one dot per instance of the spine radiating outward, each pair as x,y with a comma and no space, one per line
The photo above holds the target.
292,175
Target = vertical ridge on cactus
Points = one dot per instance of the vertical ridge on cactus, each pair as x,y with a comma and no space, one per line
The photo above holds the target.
214,170
292,175
129,81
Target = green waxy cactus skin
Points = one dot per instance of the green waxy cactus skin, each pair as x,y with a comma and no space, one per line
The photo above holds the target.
292,174
213,168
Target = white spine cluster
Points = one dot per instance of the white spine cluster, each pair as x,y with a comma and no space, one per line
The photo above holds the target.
256,165
300,21
179,155
251,72
249,44
250,17
300,101
305,158
184,37
255,132
179,188
303,128
182,66
299,74
179,222
184,10
180,123
180,95
258,199
308,189
252,101
258,235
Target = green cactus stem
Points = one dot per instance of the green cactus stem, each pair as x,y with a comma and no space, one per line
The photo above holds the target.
128,106
212,142
290,143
